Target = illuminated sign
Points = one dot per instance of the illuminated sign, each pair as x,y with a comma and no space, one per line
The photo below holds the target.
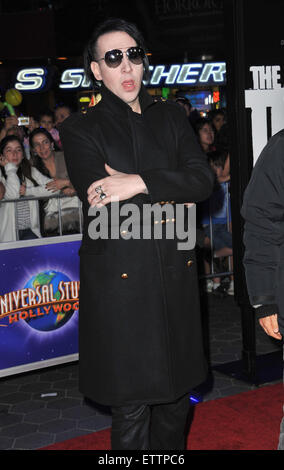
31,79
195,74
74,78
188,74
216,96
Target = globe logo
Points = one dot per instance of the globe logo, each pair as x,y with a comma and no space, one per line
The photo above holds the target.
53,314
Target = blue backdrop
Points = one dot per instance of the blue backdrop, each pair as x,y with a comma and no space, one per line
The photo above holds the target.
45,333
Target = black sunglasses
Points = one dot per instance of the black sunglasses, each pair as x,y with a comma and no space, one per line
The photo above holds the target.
114,58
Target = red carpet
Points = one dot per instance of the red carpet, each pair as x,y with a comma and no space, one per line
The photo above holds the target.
248,421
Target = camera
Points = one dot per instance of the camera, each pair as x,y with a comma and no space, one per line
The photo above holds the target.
23,121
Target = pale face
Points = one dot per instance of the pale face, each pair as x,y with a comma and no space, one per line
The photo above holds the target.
13,153
206,135
125,80
218,121
42,146
46,122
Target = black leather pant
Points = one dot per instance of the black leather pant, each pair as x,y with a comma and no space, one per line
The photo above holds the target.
144,427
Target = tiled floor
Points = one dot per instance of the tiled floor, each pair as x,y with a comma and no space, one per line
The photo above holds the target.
43,407
39,408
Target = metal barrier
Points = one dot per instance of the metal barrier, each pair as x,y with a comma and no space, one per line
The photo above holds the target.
59,197
213,272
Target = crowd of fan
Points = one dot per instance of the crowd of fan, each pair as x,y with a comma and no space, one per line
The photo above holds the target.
214,228
32,168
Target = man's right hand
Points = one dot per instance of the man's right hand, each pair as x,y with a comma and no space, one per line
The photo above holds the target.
270,326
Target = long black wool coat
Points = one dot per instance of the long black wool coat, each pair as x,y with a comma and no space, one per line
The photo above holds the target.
140,338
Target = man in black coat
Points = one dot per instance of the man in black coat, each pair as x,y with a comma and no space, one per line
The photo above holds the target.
263,211
140,338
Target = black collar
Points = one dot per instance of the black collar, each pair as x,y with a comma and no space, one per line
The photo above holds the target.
117,105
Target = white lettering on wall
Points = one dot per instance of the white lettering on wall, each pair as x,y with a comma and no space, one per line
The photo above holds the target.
30,79
200,73
267,93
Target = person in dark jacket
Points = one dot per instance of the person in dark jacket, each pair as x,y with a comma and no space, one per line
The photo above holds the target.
140,338
263,211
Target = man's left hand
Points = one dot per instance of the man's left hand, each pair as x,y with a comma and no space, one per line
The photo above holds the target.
270,326
118,185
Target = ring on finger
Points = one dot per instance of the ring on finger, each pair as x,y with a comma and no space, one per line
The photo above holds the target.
102,195
99,190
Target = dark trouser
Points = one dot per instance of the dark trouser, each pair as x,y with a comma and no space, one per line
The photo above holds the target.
142,427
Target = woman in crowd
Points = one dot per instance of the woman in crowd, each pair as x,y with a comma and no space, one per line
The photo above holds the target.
217,117
19,179
205,134
51,163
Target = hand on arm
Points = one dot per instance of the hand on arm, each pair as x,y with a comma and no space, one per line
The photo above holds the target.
120,185
70,191
57,184
3,161
9,122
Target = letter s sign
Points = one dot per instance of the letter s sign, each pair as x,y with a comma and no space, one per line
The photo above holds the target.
32,79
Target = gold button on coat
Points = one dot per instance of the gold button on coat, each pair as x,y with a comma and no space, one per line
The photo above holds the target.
189,263
124,276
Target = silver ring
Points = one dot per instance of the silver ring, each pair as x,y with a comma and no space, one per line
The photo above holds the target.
102,195
99,189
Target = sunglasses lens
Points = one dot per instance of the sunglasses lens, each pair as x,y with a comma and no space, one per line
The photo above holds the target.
113,58
136,55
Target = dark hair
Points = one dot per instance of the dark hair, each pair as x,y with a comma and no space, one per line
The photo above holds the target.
200,123
183,100
41,130
35,159
24,170
46,112
218,157
108,26
63,105
215,112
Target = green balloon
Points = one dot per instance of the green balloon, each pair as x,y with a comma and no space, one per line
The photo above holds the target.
10,108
